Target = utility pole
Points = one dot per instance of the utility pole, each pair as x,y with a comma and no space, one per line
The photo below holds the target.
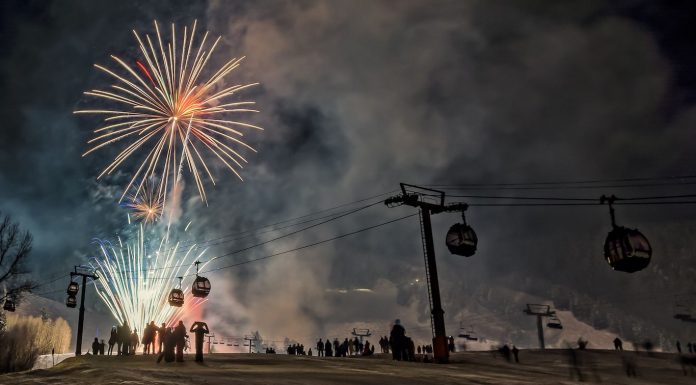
81,319
539,311
430,202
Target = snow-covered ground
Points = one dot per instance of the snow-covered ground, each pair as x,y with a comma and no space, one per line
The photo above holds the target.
535,367
48,361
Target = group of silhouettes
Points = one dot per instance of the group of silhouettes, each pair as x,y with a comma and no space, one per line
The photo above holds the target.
401,346
172,342
348,347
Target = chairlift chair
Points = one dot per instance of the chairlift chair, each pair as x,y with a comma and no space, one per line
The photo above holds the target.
554,323
201,285
625,249
9,305
461,239
176,296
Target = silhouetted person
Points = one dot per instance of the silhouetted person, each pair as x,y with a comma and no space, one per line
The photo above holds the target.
95,346
309,353
450,344
515,353
678,347
629,365
200,329
161,334
320,348
180,338
134,341
327,348
124,338
397,338
574,364
149,337
689,347
618,344
505,351
102,345
419,349
113,337
169,344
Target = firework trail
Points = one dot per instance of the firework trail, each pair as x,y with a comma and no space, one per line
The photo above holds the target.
135,282
168,115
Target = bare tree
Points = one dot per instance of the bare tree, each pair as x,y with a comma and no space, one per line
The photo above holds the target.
15,247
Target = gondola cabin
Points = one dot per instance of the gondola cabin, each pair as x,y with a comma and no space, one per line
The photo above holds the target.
73,288
176,298
201,287
71,302
461,240
9,305
627,250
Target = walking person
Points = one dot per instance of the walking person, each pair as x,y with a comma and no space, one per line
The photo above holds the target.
200,329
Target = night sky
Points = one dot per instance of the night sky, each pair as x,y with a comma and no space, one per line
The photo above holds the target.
357,96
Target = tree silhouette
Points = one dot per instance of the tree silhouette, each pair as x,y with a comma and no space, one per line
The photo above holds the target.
15,247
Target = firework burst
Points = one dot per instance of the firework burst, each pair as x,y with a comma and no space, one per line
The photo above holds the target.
135,282
168,114
146,207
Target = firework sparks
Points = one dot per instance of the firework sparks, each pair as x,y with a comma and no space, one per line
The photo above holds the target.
135,285
146,207
168,115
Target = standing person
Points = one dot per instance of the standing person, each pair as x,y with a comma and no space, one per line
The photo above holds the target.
180,338
161,334
102,345
327,348
124,338
113,337
396,340
149,337
618,344
320,348
200,329
134,341
95,346
351,346
678,347
516,352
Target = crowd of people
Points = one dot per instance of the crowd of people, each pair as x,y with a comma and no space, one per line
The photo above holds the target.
397,343
167,342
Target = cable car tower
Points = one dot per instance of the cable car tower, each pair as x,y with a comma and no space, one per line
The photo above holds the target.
430,202
541,311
